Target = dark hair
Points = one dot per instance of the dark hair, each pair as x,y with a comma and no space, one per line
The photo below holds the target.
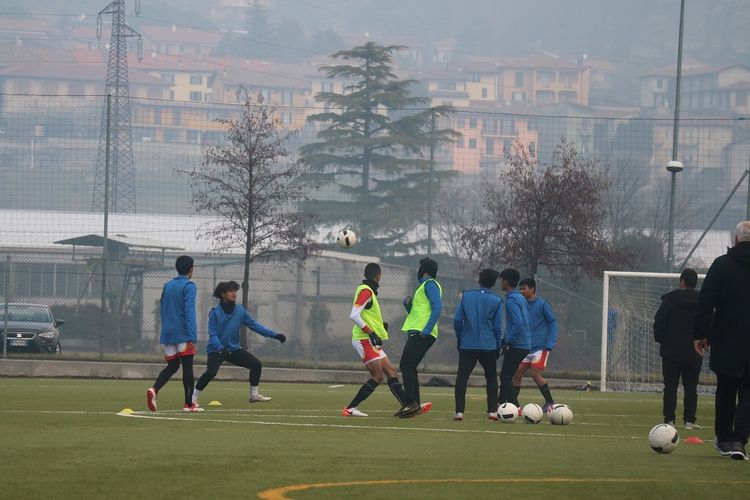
429,266
690,277
371,270
488,278
224,287
183,264
511,276
529,282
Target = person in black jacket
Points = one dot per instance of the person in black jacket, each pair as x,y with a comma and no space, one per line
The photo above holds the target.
724,298
673,330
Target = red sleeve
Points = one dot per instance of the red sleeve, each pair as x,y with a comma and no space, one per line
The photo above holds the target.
363,298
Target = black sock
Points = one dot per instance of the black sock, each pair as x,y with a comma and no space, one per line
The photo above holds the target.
363,393
397,390
545,392
518,390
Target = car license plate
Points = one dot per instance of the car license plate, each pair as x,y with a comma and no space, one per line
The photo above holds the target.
19,342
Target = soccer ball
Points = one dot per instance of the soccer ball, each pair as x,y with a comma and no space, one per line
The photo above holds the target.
507,412
346,238
560,415
663,438
532,413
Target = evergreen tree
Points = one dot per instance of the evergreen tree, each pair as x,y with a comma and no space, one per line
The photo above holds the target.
260,33
374,151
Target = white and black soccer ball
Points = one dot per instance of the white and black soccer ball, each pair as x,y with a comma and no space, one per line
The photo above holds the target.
532,413
507,412
663,438
346,238
560,415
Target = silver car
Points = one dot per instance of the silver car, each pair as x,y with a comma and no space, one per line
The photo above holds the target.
31,327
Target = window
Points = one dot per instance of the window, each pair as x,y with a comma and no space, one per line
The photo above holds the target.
472,144
519,78
193,137
157,116
176,117
519,96
473,122
489,148
460,143
568,96
196,79
484,92
507,146
460,122
475,77
443,85
326,86
196,96
532,148
266,94
168,77
286,118
740,98
545,78
209,81
545,97
286,98
568,78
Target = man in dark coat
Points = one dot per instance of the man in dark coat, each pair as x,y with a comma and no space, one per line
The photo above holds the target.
725,297
673,330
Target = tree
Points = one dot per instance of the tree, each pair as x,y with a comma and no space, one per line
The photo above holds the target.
373,150
248,182
544,216
260,33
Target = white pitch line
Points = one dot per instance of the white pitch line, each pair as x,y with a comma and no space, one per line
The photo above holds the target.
335,386
372,427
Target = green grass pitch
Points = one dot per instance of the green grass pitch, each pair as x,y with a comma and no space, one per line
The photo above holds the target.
62,438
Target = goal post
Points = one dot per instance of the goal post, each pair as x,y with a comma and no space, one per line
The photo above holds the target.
629,354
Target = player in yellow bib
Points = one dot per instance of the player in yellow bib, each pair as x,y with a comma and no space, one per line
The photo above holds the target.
368,334
421,326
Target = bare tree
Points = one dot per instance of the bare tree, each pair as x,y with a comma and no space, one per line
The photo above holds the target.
620,198
248,181
546,215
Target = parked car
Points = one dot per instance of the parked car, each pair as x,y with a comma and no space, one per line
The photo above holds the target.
31,327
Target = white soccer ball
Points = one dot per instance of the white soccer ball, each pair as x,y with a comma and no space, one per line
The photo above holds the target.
532,413
560,415
507,412
346,238
663,438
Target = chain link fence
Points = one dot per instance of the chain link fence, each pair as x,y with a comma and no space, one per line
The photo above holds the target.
48,164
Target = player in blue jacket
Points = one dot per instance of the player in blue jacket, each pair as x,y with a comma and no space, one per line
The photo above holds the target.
517,340
543,338
224,322
178,332
479,330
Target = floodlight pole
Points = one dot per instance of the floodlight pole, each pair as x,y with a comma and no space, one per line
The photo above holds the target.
675,140
430,193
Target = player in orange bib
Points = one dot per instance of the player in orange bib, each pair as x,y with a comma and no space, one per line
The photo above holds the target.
368,334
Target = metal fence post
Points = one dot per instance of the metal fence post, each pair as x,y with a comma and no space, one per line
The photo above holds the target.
105,244
7,299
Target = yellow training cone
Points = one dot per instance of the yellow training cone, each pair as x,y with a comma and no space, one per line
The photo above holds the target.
214,403
126,411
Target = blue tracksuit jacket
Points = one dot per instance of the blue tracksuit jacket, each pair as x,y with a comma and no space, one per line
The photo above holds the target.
543,324
517,330
479,320
224,329
177,306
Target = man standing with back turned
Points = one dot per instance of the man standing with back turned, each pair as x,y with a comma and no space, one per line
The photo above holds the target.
673,330
725,296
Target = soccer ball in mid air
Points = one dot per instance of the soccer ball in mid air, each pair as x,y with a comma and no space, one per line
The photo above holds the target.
532,413
560,415
663,438
346,238
507,412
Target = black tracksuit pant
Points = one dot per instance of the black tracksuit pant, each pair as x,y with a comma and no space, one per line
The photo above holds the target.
732,407
672,371
414,350
511,359
467,360
240,357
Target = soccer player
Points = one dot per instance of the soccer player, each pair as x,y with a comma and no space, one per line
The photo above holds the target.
543,338
178,333
517,340
421,326
478,326
673,330
368,334
224,322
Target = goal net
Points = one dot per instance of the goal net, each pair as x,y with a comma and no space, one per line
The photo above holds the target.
630,357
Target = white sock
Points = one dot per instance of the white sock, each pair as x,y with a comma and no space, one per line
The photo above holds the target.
253,390
196,393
